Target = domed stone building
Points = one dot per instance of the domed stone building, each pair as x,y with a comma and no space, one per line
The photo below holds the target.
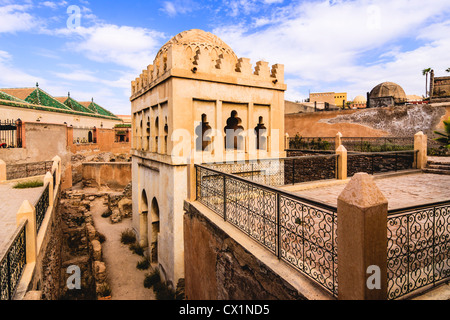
197,103
387,94
360,102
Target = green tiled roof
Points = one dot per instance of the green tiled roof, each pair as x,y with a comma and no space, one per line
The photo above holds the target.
76,106
5,96
40,97
97,109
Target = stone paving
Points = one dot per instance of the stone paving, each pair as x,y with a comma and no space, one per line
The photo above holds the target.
401,191
10,202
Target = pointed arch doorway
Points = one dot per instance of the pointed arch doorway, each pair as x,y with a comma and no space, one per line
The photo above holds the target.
155,230
143,220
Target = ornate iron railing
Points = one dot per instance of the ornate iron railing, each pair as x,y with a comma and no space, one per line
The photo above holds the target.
299,231
12,264
282,171
418,248
41,207
25,170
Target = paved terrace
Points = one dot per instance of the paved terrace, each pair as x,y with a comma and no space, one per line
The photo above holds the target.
400,190
10,201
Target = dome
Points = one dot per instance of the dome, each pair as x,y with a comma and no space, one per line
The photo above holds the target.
389,89
360,99
195,38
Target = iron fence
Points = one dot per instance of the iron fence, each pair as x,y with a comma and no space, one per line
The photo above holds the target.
380,162
11,134
357,144
25,170
299,231
41,207
418,248
12,264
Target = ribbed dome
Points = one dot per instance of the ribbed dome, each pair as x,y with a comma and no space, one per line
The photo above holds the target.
389,89
197,37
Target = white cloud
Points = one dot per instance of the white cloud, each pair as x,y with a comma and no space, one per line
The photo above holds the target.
123,45
15,18
173,8
11,76
327,44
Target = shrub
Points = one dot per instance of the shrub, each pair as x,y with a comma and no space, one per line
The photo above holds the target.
101,237
137,249
106,214
152,279
29,185
144,264
104,290
163,292
128,237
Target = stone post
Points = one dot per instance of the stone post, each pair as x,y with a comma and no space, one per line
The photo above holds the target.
57,160
2,170
421,145
48,179
341,171
338,140
362,234
28,212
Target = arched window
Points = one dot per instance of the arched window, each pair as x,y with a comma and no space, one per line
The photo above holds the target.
155,148
203,132
155,230
233,132
261,138
166,135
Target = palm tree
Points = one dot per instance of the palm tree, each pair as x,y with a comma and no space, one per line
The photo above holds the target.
425,72
444,136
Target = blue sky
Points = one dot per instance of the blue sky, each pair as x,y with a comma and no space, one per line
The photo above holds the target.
340,45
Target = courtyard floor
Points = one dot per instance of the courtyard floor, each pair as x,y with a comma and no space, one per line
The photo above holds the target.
401,191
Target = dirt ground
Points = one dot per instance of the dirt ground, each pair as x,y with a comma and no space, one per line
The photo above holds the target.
125,280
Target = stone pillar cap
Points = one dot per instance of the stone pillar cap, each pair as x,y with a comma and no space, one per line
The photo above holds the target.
362,192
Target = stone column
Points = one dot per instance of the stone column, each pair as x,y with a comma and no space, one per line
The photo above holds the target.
338,140
421,145
286,141
341,172
362,234
28,212
2,170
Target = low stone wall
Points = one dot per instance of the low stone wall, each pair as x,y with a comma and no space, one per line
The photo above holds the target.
217,267
115,175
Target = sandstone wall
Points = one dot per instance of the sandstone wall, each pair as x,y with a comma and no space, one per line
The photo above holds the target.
375,122
115,175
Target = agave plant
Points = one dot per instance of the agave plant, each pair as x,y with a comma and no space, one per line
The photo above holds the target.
444,136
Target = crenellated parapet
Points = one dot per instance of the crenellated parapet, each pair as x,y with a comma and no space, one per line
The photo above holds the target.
201,55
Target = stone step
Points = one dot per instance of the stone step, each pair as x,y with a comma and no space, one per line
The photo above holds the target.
437,171
439,163
438,166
